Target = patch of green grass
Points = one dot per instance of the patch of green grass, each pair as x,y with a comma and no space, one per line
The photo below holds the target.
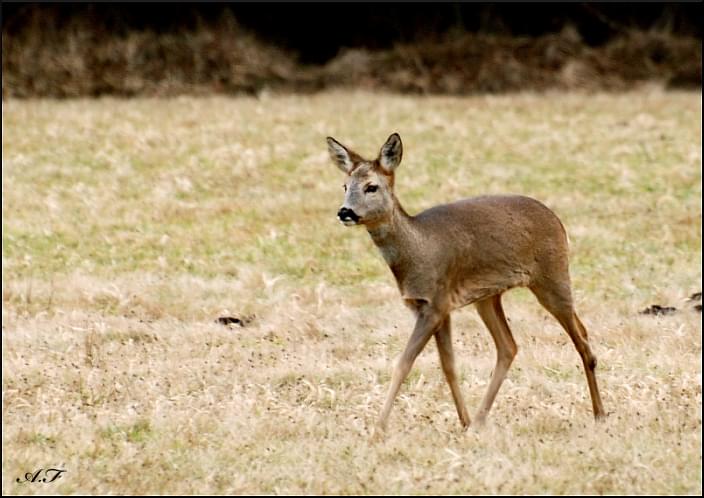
138,432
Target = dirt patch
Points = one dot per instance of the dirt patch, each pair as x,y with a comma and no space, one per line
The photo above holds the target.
656,309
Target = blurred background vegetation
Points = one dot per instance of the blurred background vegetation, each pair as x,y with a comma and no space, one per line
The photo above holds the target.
72,50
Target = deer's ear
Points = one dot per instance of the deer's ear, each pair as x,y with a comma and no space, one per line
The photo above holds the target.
343,158
391,153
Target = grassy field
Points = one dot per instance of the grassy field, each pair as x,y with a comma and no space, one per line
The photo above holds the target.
130,226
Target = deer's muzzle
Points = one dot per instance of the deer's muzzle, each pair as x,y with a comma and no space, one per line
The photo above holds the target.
347,216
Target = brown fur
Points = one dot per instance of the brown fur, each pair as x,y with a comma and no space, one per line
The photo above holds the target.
467,252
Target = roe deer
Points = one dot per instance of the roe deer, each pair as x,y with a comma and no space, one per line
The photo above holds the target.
452,255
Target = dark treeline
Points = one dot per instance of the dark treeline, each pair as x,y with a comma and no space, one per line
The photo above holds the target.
161,49
317,31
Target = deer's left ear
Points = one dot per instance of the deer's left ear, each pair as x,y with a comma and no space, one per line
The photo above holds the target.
391,153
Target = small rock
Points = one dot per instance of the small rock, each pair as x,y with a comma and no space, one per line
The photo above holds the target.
656,309
234,320
230,320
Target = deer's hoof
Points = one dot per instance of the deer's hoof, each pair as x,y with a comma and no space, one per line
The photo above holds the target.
378,434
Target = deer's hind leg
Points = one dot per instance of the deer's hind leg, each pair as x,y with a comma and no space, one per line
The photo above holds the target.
557,299
492,314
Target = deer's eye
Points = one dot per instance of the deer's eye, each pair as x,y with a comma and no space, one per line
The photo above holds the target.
345,187
369,189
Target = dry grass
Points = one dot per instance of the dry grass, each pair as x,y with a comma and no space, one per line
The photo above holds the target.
130,226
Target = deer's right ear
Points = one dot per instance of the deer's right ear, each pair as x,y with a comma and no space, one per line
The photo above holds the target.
342,157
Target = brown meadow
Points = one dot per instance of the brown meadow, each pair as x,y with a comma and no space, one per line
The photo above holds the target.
130,226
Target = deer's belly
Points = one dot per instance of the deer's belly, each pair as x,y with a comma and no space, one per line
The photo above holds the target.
476,289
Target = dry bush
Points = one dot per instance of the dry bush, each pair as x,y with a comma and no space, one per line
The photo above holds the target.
83,58
470,63
80,58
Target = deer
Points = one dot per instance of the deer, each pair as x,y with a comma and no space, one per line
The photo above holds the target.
452,255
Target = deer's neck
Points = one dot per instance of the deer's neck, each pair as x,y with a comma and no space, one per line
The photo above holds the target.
396,238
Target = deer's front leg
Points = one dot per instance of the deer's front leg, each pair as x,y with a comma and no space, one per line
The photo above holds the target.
428,320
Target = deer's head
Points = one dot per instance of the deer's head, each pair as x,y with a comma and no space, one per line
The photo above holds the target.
369,185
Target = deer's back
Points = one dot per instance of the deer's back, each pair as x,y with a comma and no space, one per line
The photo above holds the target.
485,245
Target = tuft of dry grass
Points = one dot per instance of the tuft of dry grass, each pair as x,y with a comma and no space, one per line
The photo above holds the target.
129,226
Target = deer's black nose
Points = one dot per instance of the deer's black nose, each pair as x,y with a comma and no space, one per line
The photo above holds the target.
346,214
